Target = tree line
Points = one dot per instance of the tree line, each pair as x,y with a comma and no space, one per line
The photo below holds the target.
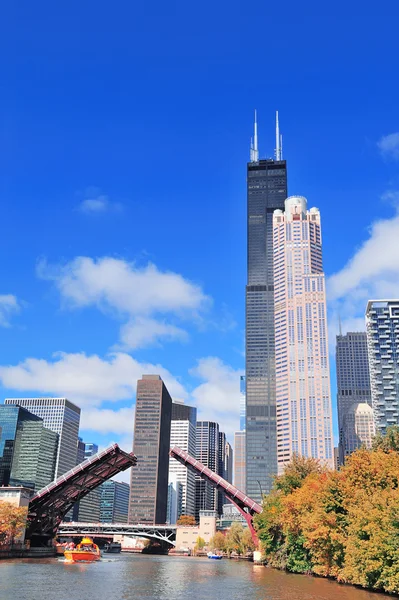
341,524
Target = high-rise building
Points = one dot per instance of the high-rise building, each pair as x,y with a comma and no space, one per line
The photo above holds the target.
61,416
183,435
151,445
242,403
304,420
239,478
87,510
358,427
207,452
225,468
382,322
175,499
114,506
353,385
90,449
266,191
28,451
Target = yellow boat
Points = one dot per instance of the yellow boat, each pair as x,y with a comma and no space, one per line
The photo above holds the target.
86,551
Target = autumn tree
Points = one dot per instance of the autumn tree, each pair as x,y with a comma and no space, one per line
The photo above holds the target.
12,522
187,520
199,543
388,442
218,542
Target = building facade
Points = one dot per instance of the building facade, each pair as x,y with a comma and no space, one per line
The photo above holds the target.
266,191
114,507
207,452
61,416
358,427
382,323
242,403
151,445
304,416
183,435
353,386
239,478
28,451
87,510
175,499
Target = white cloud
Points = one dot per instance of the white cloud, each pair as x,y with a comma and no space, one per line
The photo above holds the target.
9,306
389,145
106,420
99,205
137,293
86,380
371,273
142,331
217,398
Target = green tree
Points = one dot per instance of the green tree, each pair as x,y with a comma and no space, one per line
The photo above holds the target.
388,442
234,539
296,472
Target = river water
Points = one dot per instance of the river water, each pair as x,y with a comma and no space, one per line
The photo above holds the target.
137,577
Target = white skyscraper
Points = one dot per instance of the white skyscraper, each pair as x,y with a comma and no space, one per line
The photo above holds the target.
382,321
63,417
303,397
183,435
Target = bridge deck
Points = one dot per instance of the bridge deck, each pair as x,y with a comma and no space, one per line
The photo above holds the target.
49,505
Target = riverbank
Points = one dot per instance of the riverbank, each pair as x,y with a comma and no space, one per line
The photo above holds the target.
22,552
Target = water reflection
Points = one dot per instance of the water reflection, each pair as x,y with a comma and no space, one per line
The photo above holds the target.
133,577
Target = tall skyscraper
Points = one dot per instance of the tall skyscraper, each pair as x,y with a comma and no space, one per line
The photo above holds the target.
382,322
358,427
61,416
266,191
353,385
175,499
114,506
207,452
242,403
28,451
183,435
239,478
304,420
151,445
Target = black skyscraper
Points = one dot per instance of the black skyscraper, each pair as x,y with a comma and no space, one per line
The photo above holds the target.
266,192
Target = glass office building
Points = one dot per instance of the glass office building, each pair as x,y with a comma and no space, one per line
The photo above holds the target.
207,452
114,501
61,416
28,450
266,192
353,387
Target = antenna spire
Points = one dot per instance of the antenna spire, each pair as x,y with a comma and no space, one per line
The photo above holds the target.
279,140
254,153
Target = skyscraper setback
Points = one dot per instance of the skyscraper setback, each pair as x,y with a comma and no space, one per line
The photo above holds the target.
266,192
304,420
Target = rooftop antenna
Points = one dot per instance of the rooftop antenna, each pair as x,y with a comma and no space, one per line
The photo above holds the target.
340,325
279,140
254,146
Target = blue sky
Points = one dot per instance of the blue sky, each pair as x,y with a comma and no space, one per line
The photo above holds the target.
125,133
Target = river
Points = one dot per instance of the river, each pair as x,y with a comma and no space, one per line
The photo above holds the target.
137,577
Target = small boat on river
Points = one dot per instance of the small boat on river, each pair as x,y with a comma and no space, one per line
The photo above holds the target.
86,551
214,556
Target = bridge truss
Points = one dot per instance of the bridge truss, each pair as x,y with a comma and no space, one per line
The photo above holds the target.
48,507
161,533
247,507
